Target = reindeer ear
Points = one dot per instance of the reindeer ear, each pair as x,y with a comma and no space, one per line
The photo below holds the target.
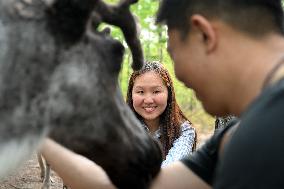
118,51
95,21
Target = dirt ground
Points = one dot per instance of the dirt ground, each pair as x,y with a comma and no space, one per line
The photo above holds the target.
28,177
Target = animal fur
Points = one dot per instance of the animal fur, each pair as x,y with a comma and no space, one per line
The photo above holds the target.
59,76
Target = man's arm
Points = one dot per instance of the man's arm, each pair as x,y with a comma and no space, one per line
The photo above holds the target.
77,171
178,176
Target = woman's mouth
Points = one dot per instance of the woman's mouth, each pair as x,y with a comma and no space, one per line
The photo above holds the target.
149,109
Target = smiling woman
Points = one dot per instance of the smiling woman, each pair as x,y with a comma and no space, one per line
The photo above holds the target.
151,96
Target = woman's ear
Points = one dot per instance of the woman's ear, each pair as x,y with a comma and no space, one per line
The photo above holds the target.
207,31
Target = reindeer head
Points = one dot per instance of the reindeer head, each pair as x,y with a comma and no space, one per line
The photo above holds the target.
88,114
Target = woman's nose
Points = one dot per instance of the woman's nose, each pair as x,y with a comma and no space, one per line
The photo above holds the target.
148,99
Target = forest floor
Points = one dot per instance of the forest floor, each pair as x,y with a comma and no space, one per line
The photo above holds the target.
28,177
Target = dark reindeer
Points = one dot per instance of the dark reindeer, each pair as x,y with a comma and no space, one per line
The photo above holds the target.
59,77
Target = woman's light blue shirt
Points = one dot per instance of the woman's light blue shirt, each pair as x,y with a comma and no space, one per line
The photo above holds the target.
182,146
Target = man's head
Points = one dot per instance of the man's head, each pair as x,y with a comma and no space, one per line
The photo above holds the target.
254,17
212,42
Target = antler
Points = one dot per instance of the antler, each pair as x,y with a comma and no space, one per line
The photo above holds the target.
120,15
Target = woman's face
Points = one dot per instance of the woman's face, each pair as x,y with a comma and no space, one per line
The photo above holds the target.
149,95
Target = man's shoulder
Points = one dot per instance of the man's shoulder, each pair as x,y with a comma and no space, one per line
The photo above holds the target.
263,121
253,158
266,111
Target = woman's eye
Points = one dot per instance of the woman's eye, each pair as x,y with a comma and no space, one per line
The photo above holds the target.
139,92
156,92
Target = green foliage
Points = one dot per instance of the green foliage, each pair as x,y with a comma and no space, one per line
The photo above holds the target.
154,43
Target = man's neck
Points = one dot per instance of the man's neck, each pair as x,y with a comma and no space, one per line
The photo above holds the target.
276,75
255,69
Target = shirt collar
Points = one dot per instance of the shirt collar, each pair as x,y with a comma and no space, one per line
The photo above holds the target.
156,134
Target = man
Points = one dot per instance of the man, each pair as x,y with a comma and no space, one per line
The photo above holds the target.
224,50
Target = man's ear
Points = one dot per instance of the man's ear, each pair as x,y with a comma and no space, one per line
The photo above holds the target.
207,32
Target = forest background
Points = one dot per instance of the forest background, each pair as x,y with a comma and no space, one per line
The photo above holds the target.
154,44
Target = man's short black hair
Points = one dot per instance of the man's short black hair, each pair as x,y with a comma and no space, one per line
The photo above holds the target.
254,17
